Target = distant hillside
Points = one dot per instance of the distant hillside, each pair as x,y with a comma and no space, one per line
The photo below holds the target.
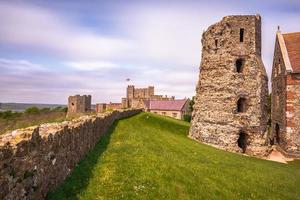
20,107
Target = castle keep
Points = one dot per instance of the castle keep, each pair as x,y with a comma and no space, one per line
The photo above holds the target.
286,93
137,97
230,110
79,104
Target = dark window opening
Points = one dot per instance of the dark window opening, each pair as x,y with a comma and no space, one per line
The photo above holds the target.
216,43
241,105
72,104
241,35
239,65
242,141
277,133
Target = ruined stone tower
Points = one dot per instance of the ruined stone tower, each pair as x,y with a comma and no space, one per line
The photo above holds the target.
79,104
230,110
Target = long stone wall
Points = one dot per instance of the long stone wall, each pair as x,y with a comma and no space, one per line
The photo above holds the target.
37,159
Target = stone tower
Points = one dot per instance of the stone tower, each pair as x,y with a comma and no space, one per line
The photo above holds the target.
230,110
79,104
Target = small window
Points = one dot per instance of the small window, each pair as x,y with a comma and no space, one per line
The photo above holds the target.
174,115
163,113
241,105
72,104
239,65
216,43
155,112
241,35
277,133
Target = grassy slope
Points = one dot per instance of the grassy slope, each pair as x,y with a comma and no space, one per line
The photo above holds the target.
151,158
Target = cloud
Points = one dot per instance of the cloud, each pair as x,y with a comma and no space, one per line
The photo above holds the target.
37,28
91,65
18,65
151,42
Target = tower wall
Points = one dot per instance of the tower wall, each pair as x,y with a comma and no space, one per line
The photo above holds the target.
79,104
230,110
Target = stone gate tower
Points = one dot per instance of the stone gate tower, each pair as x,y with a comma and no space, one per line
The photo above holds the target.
230,110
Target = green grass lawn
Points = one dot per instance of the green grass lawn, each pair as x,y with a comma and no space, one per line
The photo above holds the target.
151,157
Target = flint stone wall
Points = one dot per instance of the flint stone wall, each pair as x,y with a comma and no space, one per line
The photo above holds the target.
37,159
215,119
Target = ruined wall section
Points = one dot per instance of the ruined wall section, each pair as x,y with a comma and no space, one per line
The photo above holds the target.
37,159
215,118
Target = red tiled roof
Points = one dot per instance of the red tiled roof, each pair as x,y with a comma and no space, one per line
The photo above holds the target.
167,104
292,43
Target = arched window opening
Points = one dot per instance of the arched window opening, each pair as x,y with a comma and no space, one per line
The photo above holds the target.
239,65
241,35
277,133
242,141
241,105
216,43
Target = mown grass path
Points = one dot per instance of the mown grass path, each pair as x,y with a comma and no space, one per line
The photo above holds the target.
150,157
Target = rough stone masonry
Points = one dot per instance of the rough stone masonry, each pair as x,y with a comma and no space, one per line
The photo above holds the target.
37,159
230,110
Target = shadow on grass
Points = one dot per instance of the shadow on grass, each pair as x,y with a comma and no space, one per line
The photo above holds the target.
78,180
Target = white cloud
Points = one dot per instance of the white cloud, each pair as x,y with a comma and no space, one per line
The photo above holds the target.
91,65
18,65
38,28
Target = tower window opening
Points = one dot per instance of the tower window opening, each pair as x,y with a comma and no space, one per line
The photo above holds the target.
241,35
277,133
242,141
241,105
239,65
216,43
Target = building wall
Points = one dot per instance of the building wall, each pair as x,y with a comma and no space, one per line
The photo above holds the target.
113,106
292,137
168,113
278,107
135,97
100,107
216,119
37,159
285,110
79,104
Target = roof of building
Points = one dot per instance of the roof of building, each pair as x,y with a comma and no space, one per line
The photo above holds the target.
167,104
292,43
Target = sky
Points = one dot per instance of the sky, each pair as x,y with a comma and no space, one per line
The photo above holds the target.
52,49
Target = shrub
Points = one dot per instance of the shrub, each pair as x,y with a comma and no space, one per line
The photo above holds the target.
45,110
187,118
60,109
32,110
9,114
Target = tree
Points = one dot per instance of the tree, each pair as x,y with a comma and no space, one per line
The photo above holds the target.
32,110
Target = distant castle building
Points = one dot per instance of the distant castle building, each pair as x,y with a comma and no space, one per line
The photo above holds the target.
102,107
176,108
286,93
138,97
79,104
230,110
